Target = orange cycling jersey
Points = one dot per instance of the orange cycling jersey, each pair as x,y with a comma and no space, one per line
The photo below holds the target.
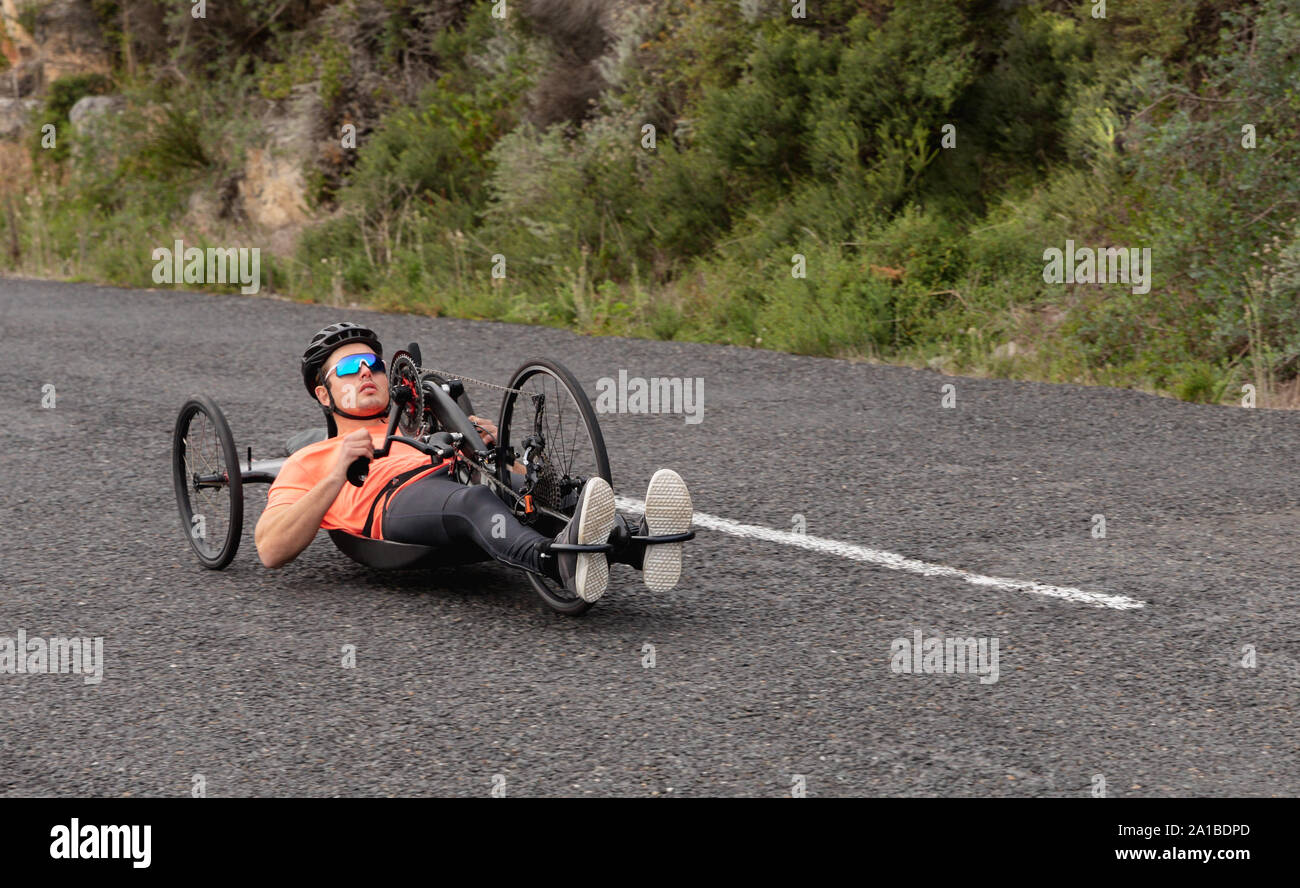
308,466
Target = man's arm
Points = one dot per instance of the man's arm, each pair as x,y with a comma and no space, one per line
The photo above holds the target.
284,531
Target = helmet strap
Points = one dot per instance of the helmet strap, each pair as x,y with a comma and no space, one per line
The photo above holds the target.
334,408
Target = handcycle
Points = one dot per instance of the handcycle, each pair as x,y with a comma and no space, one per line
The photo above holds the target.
548,445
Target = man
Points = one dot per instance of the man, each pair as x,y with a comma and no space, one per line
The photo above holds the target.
408,499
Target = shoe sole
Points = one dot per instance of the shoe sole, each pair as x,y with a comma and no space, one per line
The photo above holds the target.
667,510
591,575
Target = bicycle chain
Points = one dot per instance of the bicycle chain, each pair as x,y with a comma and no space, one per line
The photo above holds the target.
492,385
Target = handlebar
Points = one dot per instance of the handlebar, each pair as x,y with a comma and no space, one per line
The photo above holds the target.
360,466
358,470
464,433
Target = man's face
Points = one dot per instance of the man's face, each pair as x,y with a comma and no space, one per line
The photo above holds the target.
363,393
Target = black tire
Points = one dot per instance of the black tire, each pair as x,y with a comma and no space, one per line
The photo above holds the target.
202,446
573,441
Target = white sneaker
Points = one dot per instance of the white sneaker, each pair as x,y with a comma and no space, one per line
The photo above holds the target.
586,574
668,510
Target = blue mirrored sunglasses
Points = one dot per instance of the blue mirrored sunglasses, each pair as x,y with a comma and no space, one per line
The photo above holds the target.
352,365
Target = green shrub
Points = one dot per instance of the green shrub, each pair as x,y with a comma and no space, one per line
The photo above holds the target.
1199,383
775,136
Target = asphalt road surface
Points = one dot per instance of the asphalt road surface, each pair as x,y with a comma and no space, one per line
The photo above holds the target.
773,661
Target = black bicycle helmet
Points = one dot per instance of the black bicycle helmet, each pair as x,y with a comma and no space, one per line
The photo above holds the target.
323,343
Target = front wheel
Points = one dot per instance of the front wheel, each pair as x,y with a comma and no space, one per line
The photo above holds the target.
547,420
209,487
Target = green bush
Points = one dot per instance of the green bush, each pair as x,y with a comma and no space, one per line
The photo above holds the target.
774,136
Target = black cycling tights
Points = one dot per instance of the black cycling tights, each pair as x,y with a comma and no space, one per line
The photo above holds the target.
437,511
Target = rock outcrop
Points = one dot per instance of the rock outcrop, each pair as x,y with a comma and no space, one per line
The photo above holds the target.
15,115
64,39
82,116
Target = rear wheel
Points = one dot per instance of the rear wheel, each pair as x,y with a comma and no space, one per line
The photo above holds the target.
209,487
551,423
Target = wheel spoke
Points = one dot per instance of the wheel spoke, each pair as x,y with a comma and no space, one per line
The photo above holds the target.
201,452
574,451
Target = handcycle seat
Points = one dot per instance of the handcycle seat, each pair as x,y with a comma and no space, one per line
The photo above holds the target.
303,438
390,555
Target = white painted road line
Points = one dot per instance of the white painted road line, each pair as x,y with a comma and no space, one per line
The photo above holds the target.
895,562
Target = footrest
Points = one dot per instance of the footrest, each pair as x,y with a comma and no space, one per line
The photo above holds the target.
581,547
663,538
